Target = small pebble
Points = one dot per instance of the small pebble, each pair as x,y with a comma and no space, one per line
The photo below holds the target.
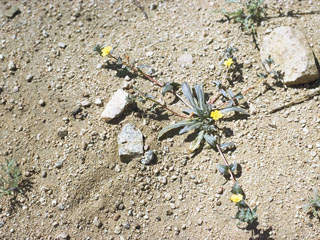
15,89
117,230
97,222
85,103
29,77
149,158
98,102
42,103
126,226
45,33
43,174
62,45
63,236
62,133
58,164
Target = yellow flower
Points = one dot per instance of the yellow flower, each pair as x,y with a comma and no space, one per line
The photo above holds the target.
236,198
106,51
228,62
216,115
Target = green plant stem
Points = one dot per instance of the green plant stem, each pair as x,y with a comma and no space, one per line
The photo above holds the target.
162,105
156,82
226,162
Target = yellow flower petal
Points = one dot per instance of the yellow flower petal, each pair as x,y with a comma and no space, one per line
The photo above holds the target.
236,198
106,51
228,62
216,115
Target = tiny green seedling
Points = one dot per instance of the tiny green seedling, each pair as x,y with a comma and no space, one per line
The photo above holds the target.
10,178
313,207
249,16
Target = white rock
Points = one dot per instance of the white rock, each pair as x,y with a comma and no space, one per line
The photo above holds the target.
130,143
289,49
12,66
115,106
85,103
98,102
62,45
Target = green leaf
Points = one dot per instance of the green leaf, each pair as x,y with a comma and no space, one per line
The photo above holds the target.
169,86
196,143
226,145
173,126
188,94
212,140
191,126
200,96
236,189
246,215
234,109
223,169
233,167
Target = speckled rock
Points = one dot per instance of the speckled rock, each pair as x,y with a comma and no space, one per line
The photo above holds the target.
130,142
289,48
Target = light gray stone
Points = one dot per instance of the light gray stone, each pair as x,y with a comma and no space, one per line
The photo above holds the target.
115,106
185,59
12,66
149,158
130,143
62,132
288,47
97,222
62,45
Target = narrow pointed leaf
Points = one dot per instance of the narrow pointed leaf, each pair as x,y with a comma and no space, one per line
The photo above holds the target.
233,167
173,126
189,127
236,189
224,93
226,145
167,88
196,143
223,169
200,96
234,109
188,93
210,139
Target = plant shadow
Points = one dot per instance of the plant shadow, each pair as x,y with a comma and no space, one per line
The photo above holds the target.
25,186
258,234
122,71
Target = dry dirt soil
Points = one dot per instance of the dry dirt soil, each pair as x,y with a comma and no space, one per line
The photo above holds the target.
77,187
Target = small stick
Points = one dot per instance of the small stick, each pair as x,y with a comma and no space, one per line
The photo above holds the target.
162,105
139,71
135,2
297,101
226,162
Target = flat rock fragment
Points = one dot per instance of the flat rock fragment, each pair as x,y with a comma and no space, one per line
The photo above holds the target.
130,143
115,106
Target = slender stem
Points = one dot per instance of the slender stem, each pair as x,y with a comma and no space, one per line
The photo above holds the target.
162,105
226,162
139,71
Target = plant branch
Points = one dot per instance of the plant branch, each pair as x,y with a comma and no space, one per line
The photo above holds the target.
162,105
147,76
226,162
